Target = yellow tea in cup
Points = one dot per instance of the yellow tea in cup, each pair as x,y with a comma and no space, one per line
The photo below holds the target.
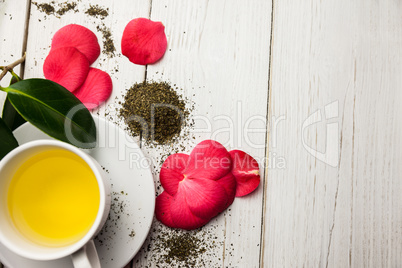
53,198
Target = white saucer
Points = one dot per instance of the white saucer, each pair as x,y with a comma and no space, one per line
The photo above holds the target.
133,199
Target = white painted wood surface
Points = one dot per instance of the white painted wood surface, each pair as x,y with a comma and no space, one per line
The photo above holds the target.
219,57
12,36
122,72
327,55
224,82
340,58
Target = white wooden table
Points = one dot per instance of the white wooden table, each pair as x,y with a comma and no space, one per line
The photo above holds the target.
311,88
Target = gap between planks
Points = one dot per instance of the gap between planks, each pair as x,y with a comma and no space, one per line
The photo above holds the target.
25,40
131,264
269,111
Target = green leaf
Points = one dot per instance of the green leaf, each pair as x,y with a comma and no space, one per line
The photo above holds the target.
14,80
54,110
10,115
7,140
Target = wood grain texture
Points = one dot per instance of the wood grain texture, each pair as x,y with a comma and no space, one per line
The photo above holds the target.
12,37
12,32
342,58
217,60
218,54
122,72
42,26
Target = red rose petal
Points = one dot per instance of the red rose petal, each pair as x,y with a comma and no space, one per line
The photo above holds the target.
67,67
144,41
244,165
79,37
96,88
229,183
203,184
244,188
208,160
162,209
181,214
171,172
246,171
205,198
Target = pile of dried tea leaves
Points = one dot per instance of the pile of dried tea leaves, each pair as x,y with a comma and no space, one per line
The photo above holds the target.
155,111
167,247
183,248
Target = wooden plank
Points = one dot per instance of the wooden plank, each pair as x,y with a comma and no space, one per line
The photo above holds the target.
13,20
42,27
218,53
123,72
340,206
12,33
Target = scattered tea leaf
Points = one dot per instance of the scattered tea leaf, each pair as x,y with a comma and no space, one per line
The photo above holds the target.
108,44
97,11
59,10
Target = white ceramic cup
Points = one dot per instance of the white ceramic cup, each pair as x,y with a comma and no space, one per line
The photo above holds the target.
83,252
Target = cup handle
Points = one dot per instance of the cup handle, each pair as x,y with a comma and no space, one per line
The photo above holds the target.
86,257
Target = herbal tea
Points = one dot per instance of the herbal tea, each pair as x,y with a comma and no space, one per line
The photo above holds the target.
53,198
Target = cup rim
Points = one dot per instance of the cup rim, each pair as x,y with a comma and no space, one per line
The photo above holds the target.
69,249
